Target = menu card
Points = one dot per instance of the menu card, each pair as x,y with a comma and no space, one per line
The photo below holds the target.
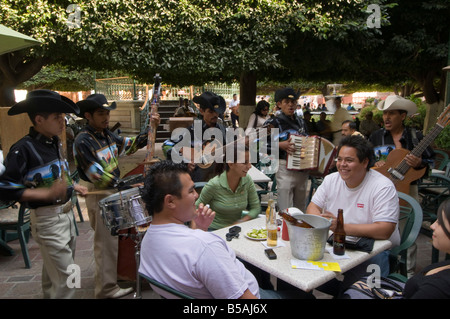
315,265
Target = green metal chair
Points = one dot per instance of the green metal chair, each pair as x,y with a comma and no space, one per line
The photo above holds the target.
433,191
442,158
163,290
261,192
17,220
411,219
315,183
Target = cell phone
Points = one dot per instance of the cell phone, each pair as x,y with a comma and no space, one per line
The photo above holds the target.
270,253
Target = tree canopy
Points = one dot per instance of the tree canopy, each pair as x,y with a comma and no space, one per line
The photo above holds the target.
197,41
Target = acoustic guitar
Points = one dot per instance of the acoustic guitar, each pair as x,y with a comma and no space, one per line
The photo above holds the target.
210,150
396,168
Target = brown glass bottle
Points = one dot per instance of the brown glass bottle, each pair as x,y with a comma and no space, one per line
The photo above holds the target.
294,221
339,235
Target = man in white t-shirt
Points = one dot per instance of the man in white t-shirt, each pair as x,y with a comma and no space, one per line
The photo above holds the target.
368,198
190,260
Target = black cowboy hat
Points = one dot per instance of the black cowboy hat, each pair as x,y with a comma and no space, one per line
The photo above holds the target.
286,93
93,102
209,100
46,101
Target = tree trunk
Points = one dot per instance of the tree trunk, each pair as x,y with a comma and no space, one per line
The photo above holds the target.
434,100
7,97
16,69
247,97
433,112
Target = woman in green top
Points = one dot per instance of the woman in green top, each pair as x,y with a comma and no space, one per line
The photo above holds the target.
231,192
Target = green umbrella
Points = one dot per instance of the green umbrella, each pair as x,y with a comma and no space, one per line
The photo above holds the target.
11,40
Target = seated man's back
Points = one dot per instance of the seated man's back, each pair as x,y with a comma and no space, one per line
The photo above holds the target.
194,262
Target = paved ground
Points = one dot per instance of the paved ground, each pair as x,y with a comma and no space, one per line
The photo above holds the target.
17,282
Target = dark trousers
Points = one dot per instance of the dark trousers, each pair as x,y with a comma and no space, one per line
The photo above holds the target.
234,119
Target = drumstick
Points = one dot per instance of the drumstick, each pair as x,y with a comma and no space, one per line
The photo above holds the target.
101,192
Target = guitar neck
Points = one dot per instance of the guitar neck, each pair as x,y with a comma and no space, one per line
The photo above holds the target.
427,140
420,148
151,137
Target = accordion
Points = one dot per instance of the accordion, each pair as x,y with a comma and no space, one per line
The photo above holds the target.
312,153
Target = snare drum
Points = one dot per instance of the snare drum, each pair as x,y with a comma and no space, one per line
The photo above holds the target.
124,210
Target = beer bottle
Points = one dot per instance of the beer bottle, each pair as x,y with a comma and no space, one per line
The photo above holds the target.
272,227
270,202
294,221
339,235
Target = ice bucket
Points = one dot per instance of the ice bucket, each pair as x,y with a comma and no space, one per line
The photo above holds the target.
309,243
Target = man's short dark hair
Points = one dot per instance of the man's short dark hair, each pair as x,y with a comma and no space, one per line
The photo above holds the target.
163,178
364,148
351,124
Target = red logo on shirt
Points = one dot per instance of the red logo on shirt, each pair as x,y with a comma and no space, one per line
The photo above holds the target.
360,205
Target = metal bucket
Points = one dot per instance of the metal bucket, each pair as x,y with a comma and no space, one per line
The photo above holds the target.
309,243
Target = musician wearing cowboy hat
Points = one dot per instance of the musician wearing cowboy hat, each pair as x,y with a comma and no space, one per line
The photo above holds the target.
211,107
395,135
291,184
96,152
37,175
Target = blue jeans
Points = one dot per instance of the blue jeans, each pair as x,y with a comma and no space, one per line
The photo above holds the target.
335,287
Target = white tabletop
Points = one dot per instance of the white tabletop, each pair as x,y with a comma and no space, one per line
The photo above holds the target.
253,252
258,176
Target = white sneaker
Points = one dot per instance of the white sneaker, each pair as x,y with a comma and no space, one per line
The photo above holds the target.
122,292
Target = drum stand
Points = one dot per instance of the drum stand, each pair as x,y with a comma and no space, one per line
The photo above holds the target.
137,238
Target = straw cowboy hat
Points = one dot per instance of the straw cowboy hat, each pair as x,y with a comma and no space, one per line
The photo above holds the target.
209,100
395,102
93,102
44,101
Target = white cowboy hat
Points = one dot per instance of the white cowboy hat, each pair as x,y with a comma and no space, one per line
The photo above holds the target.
395,102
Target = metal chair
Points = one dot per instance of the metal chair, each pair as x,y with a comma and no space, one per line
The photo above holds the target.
411,219
433,191
315,183
165,291
443,159
12,219
261,192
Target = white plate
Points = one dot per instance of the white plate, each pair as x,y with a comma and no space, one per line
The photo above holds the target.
252,238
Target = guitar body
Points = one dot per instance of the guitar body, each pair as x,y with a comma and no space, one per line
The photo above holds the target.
393,160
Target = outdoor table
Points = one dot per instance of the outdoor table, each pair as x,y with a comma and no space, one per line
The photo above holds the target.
252,251
258,176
